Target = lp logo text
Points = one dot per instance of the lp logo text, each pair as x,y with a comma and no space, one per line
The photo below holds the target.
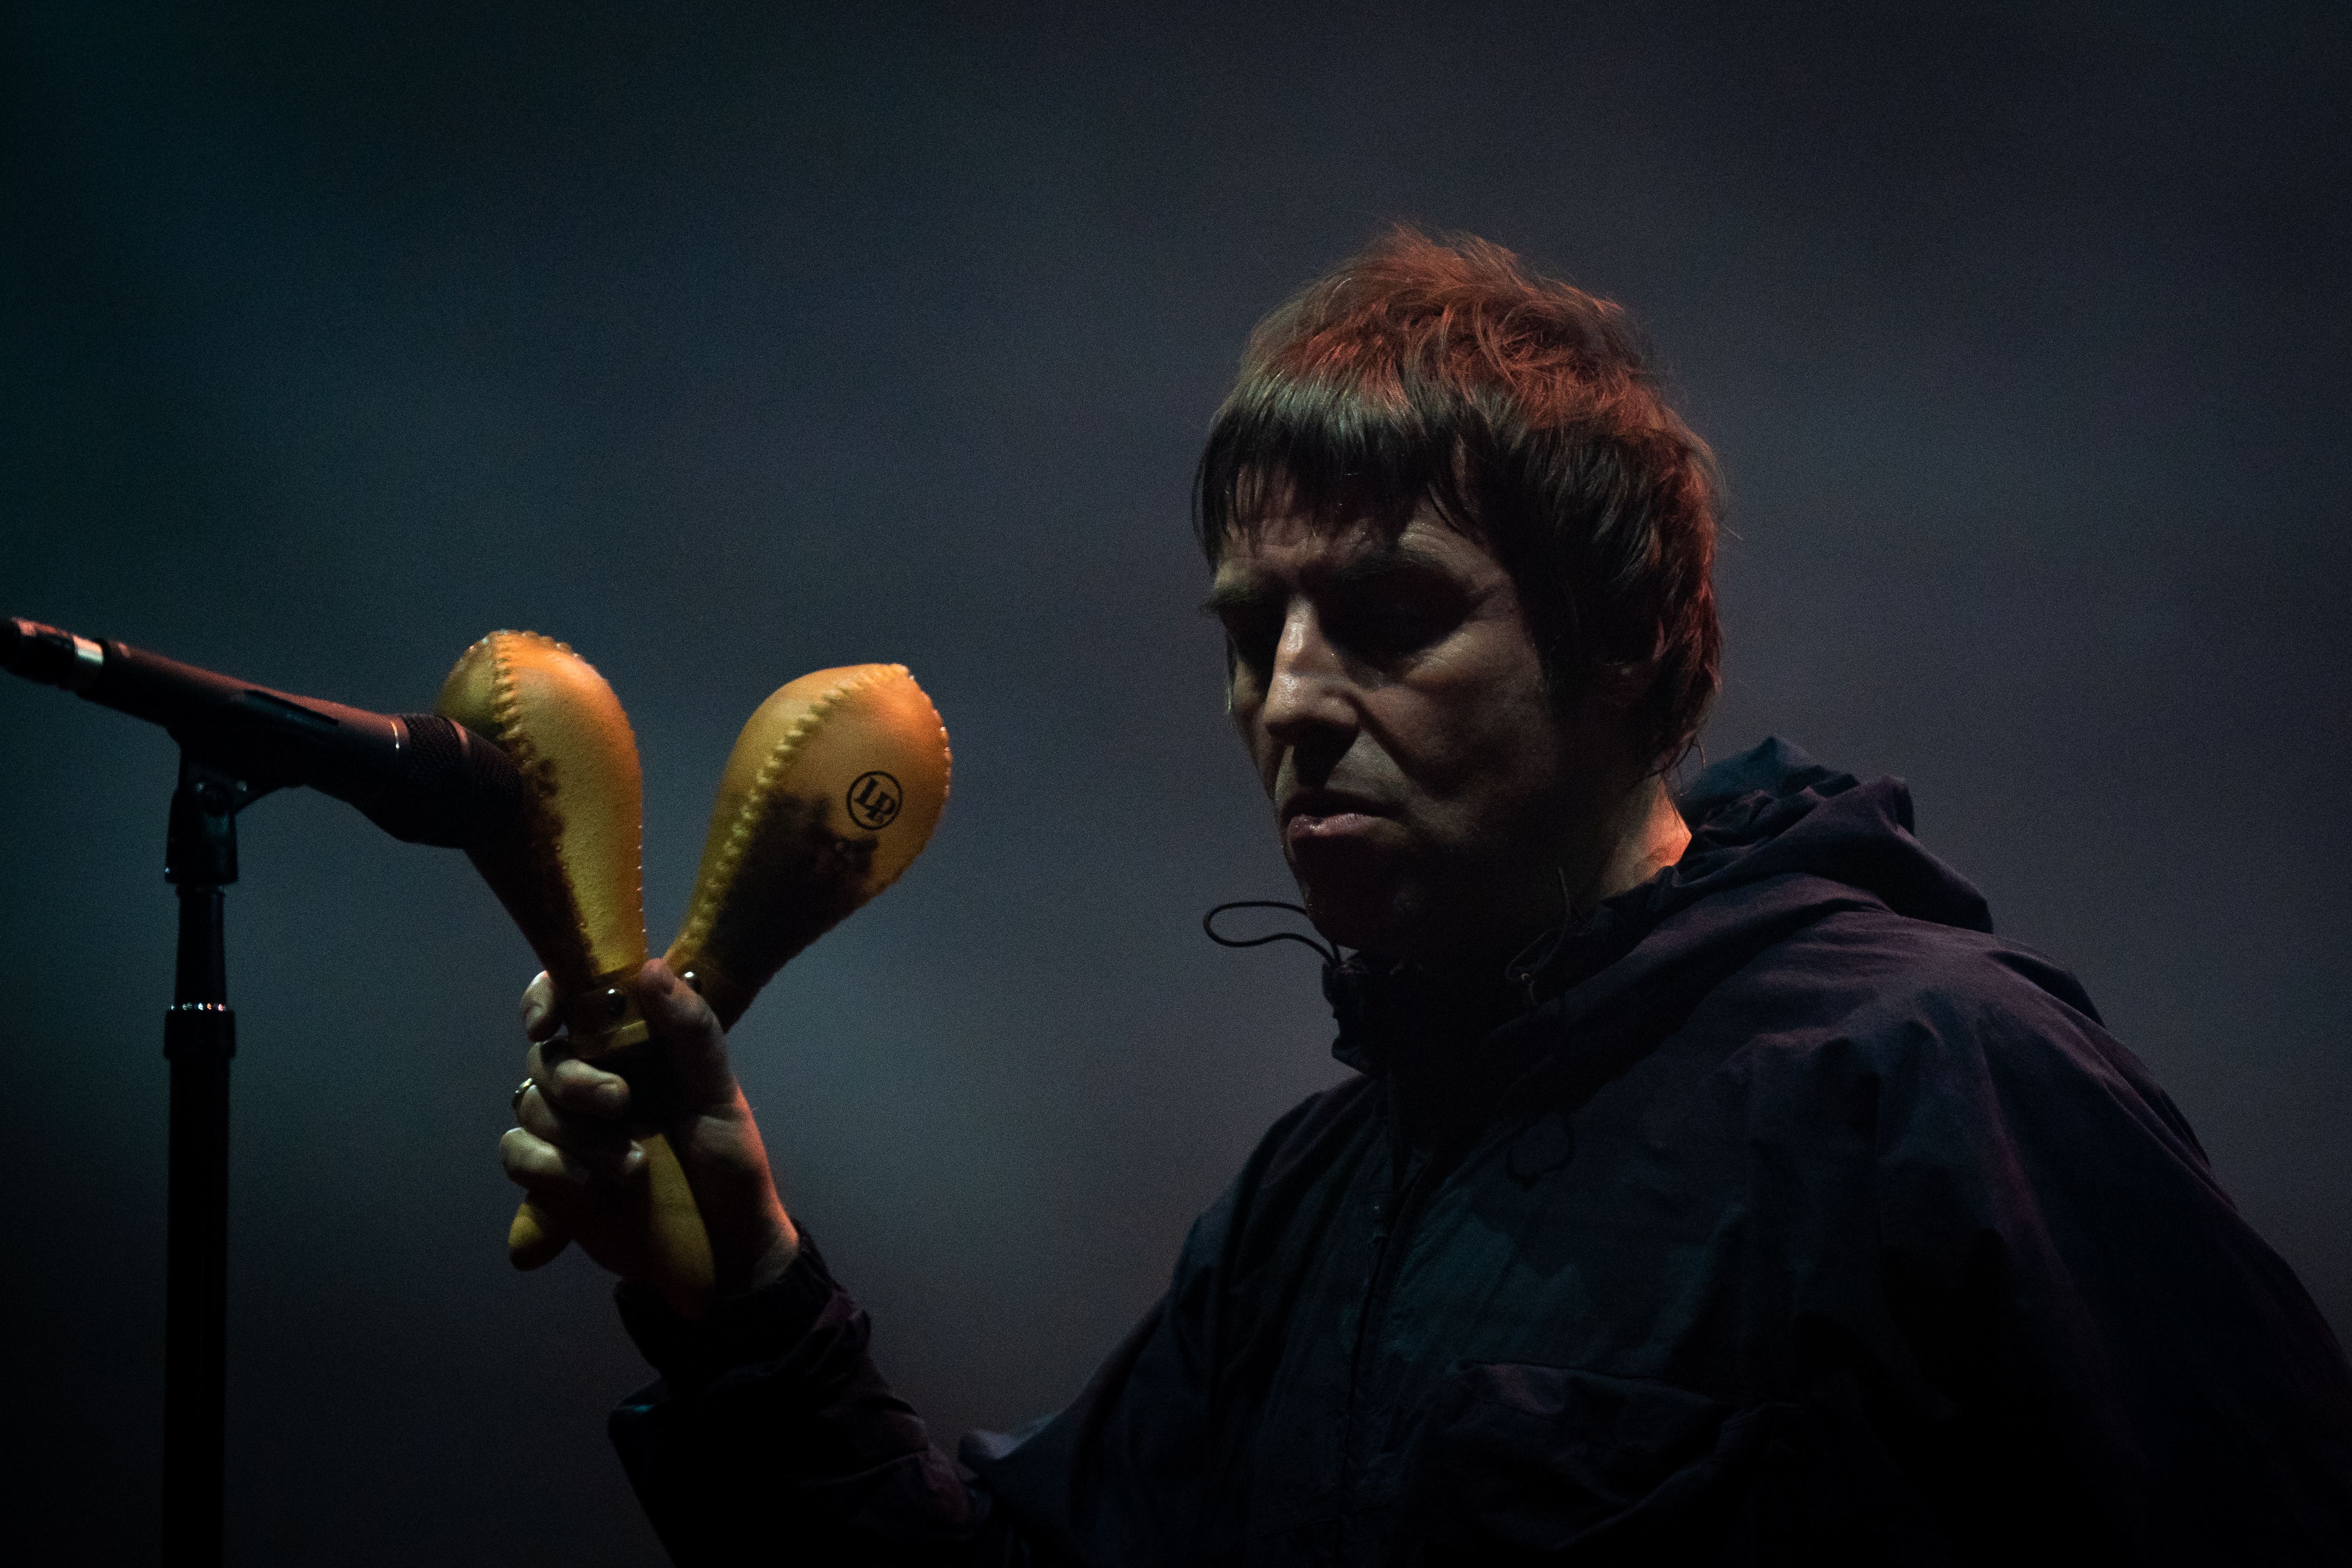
874,800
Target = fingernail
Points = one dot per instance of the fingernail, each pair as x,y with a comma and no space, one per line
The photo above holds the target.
612,1096
634,1160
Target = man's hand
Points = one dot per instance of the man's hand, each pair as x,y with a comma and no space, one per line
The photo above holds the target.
573,1154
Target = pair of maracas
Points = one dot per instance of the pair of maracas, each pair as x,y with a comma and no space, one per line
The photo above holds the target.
832,791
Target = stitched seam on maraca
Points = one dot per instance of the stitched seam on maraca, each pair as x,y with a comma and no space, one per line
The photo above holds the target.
902,673
756,802
546,784
946,754
947,759
506,712
538,771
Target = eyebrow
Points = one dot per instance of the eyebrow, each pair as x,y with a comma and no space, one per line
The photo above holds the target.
1363,570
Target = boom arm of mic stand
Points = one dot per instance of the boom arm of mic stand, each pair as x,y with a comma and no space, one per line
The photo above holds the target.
419,777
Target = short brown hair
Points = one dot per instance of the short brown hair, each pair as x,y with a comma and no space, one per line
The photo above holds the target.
1525,412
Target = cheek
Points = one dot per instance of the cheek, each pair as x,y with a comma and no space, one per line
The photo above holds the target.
1476,746
1242,707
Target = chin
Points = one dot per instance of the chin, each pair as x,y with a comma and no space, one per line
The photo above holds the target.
1396,925
1379,903
1366,918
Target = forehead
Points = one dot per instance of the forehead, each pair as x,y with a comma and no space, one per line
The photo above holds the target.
1295,549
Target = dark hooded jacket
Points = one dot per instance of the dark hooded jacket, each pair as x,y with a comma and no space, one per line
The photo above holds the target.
1776,1212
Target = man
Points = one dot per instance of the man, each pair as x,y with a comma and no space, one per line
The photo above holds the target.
1713,1187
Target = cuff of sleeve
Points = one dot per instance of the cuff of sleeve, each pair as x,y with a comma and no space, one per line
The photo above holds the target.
755,1326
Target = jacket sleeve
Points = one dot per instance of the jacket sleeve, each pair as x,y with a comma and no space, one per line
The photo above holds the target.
1115,1478
1121,1477
2136,1376
771,1439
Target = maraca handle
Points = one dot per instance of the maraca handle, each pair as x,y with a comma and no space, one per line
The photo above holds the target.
680,1266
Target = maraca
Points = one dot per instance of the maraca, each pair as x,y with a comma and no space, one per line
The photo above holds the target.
832,791
573,883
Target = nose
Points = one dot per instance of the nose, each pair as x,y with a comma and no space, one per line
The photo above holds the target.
1308,701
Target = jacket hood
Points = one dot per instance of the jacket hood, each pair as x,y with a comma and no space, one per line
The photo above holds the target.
1778,841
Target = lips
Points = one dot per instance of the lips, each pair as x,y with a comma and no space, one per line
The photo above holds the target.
1314,817
1329,803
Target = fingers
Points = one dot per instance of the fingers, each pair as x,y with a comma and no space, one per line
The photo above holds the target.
689,1033
575,1110
538,1019
599,1146
575,1088
549,1172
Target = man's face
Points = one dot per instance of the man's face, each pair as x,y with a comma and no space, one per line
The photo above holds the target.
1426,788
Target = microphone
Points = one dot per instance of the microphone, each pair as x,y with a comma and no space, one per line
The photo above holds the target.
421,777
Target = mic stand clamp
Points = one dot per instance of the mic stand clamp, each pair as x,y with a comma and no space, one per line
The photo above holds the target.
199,1039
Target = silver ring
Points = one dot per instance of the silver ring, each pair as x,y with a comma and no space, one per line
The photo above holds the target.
514,1103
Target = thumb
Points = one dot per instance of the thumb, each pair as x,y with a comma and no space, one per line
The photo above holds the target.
690,1038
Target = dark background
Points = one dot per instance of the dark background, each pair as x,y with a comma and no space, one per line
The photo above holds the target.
732,343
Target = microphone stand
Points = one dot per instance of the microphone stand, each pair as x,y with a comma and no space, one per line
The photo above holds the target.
421,777
199,1039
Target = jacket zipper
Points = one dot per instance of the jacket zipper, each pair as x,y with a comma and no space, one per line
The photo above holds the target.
1403,1207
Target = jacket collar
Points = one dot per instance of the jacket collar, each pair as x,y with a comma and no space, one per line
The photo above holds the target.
1778,841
